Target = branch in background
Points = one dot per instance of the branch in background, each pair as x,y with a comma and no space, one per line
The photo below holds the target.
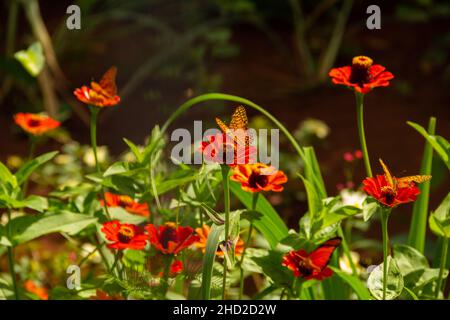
57,77
329,57
300,43
318,11
49,96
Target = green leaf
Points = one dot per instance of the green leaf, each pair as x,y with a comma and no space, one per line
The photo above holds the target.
418,227
135,259
439,144
439,220
137,153
355,283
29,167
7,178
269,224
29,227
32,59
271,265
394,281
208,260
118,213
32,202
370,207
312,172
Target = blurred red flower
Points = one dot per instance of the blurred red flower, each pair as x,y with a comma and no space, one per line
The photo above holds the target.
170,239
362,75
259,177
126,202
36,124
103,94
124,235
102,295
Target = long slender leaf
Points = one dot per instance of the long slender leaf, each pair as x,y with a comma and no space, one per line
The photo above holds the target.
208,260
269,224
357,285
417,230
28,168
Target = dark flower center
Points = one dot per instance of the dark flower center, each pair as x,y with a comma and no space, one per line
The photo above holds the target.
168,234
360,70
257,180
390,197
125,201
126,233
34,123
304,268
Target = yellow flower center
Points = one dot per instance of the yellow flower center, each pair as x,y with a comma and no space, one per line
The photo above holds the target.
362,62
126,233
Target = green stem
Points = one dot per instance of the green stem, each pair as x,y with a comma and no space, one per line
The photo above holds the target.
249,237
11,260
362,136
93,127
33,144
384,229
442,267
347,251
165,280
226,199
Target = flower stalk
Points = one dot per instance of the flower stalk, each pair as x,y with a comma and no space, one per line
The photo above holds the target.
226,199
362,137
11,260
384,229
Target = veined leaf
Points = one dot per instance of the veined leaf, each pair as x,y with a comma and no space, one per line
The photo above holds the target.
208,260
29,227
394,281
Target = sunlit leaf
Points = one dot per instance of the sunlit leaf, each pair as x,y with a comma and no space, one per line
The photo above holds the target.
32,59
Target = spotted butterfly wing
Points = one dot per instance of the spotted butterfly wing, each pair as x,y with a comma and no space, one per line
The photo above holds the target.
321,256
107,84
408,181
387,174
238,124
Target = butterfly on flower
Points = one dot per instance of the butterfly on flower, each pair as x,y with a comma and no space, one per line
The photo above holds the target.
238,128
392,191
313,265
233,145
102,94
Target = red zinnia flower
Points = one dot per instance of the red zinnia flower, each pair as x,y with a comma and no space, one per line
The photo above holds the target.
361,75
312,265
223,149
102,295
36,124
103,94
33,288
391,191
170,239
259,177
124,235
126,202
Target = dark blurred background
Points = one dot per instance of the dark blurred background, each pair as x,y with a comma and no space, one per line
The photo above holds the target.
275,53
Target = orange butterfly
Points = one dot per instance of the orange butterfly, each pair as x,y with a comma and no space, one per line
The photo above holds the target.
103,94
395,183
238,126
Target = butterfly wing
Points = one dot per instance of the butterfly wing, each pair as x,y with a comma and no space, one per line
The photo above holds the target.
239,119
108,81
407,181
322,255
387,173
222,125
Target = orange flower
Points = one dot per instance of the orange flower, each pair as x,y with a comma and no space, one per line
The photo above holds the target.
102,295
259,177
361,75
103,94
203,233
39,291
176,268
126,202
392,191
36,124
124,235
170,239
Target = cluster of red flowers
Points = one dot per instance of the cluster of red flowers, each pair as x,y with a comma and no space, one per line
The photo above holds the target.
168,239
